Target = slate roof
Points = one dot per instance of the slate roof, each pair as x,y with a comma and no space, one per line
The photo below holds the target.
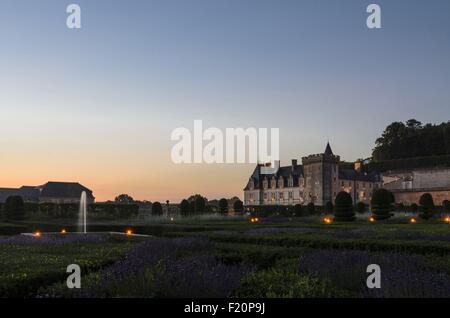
296,171
63,190
68,190
7,192
351,174
283,172
328,150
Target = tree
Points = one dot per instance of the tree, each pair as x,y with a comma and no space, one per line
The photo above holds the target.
124,199
310,208
343,210
412,139
328,207
200,205
426,206
381,204
184,208
238,206
223,206
298,210
157,209
360,207
191,208
14,208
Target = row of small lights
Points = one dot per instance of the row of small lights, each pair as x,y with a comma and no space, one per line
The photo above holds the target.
328,220
128,232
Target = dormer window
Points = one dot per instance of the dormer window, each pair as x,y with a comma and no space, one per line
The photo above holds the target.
273,183
290,181
280,182
265,183
301,181
251,184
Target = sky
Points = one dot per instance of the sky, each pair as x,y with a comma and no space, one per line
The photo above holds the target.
98,104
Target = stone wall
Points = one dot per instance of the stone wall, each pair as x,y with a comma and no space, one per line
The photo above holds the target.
409,197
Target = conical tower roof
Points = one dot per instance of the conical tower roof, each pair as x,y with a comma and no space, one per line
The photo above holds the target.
328,150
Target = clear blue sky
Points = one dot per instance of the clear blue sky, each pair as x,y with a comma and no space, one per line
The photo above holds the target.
99,103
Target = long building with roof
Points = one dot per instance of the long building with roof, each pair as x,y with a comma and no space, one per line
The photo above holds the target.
50,192
318,179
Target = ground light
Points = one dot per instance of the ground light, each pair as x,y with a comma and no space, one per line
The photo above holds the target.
412,220
447,219
129,232
327,220
37,234
372,219
63,231
172,219
254,220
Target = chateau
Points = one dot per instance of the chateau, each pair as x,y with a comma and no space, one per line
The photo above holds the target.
318,179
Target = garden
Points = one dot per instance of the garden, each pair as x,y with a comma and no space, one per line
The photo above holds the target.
234,257
315,255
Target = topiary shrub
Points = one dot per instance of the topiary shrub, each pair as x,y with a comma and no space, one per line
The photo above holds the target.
311,208
223,206
391,197
343,209
157,209
446,206
14,208
414,208
426,206
328,208
381,204
361,207
238,206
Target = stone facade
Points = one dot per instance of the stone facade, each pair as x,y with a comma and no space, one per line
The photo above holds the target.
408,186
319,179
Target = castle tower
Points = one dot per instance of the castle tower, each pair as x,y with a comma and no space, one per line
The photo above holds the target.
321,175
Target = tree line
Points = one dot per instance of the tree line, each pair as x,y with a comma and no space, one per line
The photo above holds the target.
412,139
194,205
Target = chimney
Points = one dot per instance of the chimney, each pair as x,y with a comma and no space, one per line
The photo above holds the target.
294,164
358,165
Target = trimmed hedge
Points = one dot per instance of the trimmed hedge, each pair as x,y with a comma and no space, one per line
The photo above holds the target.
417,247
284,210
70,210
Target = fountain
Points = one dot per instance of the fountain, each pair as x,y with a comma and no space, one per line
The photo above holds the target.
82,228
82,213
